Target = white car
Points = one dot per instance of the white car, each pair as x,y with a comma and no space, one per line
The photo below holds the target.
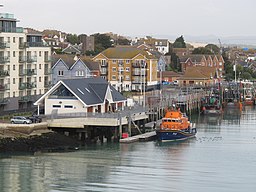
20,120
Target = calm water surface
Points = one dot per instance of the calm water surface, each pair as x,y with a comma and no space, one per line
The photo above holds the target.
221,158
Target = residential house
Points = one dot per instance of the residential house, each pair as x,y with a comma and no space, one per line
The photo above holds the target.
199,76
128,68
215,61
54,38
162,62
24,65
73,67
91,95
72,49
168,76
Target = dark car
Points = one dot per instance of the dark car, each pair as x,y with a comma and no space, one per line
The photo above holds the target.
35,119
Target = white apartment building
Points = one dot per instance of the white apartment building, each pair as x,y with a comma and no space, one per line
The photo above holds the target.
25,68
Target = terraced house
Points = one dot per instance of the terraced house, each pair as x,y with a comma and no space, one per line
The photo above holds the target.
25,67
128,68
214,61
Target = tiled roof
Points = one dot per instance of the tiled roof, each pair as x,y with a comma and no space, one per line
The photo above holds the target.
92,90
125,52
198,72
169,74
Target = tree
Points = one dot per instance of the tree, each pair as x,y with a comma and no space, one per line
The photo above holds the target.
102,41
73,39
123,42
213,48
179,43
202,50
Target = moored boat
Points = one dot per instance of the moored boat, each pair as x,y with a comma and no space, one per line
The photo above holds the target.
175,126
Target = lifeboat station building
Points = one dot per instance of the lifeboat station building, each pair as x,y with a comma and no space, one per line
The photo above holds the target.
88,95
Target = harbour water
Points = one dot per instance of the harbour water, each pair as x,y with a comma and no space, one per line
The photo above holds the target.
221,158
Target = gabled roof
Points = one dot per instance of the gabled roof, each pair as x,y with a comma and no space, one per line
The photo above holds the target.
125,52
198,72
90,91
168,74
70,49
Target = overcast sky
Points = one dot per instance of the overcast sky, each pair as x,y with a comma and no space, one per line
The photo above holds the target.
138,17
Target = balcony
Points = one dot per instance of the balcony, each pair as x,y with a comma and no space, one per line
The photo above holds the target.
136,65
47,71
104,64
4,45
136,73
4,73
47,59
30,85
28,72
5,87
22,59
4,60
31,59
104,72
23,45
4,101
37,44
47,84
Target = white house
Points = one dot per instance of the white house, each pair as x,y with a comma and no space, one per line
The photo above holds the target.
94,95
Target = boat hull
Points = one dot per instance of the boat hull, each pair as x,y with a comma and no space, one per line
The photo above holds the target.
212,111
174,135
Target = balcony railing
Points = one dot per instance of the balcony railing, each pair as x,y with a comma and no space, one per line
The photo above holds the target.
47,59
28,72
4,45
136,65
31,59
23,45
23,86
47,84
11,29
22,59
4,60
37,44
4,73
47,71
5,87
104,64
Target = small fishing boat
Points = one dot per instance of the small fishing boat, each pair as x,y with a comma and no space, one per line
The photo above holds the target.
175,126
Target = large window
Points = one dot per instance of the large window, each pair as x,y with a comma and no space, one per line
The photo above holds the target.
79,73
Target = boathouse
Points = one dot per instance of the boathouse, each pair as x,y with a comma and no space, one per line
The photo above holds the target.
94,95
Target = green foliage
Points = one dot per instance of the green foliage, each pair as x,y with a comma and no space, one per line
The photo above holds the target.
123,42
101,42
202,50
179,43
213,48
246,75
73,39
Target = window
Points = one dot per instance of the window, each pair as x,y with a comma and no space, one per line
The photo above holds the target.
40,66
114,69
13,53
8,39
114,61
13,67
13,93
113,77
13,81
13,39
127,61
40,79
127,69
40,53
79,73
68,106
60,73
56,106
127,77
34,92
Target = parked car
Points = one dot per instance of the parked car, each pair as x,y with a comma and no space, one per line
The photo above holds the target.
35,119
20,120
